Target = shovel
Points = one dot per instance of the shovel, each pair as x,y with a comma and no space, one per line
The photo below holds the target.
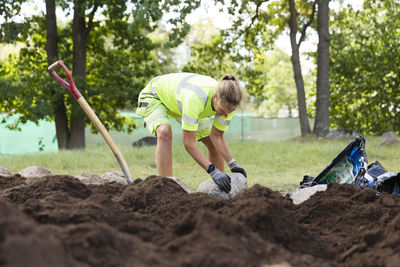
92,116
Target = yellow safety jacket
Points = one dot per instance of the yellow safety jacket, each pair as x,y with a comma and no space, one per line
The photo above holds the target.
188,95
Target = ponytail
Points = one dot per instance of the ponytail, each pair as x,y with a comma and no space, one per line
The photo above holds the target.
229,77
229,90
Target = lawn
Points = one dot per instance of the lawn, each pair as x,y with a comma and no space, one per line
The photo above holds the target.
277,165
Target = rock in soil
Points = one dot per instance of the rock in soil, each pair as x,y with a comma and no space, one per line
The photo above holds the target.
90,178
303,194
34,171
114,176
238,183
5,171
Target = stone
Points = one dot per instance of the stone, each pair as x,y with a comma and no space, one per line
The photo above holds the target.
35,172
303,194
114,176
389,134
180,183
389,138
145,141
90,178
5,171
238,183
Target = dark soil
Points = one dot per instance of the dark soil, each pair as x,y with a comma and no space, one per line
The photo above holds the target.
59,221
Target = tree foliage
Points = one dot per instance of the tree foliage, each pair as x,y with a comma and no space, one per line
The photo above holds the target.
265,69
119,58
365,56
257,25
279,89
109,86
209,59
210,56
10,29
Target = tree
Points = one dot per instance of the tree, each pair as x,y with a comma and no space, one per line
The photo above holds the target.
60,116
268,70
120,39
295,58
259,23
365,93
321,124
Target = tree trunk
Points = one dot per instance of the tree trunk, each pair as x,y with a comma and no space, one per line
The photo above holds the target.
289,106
79,39
60,116
77,132
298,77
321,125
61,121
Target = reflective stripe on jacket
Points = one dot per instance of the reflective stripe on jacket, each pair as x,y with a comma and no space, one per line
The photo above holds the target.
188,95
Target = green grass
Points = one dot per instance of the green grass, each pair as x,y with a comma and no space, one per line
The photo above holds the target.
277,165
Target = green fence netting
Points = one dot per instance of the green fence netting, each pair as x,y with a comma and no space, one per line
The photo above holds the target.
31,138
41,138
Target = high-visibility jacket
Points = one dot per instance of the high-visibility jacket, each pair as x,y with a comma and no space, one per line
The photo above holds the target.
188,95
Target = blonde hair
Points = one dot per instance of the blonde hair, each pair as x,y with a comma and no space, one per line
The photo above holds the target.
229,90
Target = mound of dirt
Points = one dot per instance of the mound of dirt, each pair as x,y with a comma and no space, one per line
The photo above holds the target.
59,221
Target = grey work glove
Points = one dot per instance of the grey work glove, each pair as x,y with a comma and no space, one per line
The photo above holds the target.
222,180
235,168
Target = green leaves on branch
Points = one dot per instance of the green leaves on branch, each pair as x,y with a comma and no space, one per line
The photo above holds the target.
10,31
365,56
10,8
121,57
210,59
